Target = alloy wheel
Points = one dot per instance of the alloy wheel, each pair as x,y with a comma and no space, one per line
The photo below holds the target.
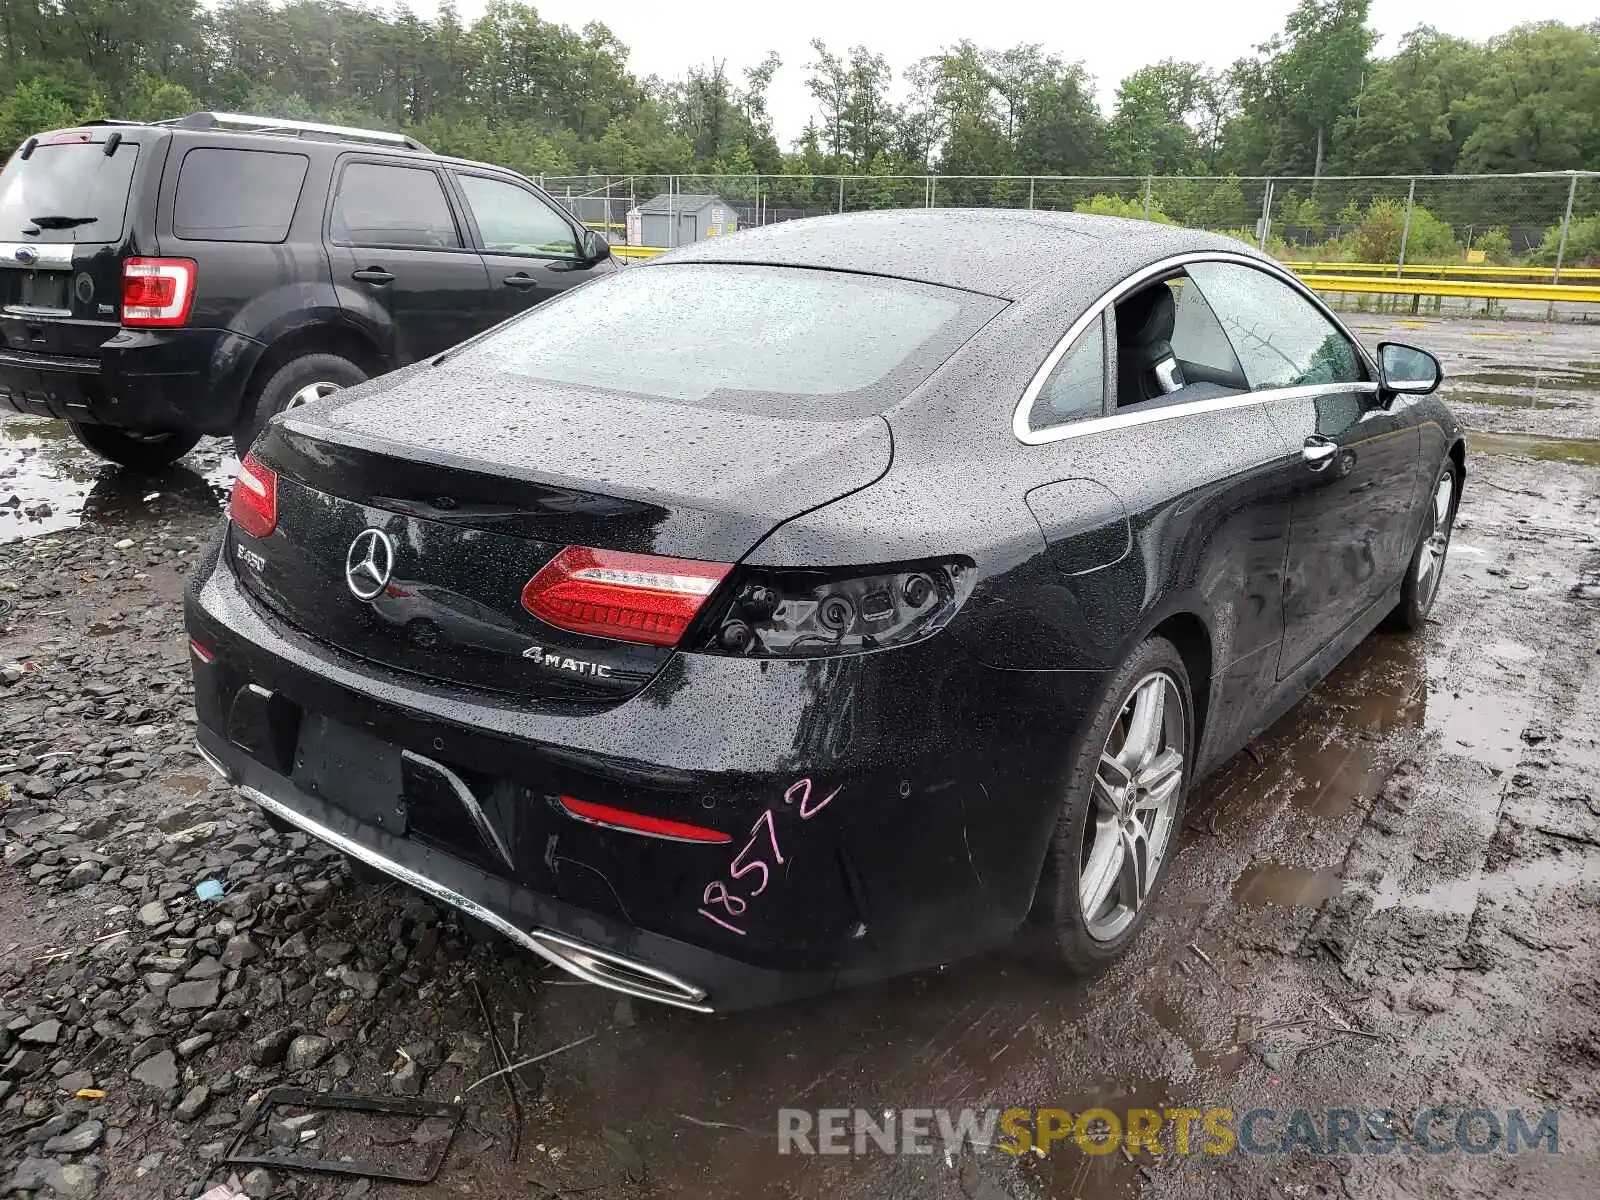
1129,827
1430,561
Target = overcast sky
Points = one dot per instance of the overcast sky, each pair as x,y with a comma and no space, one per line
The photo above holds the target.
1112,38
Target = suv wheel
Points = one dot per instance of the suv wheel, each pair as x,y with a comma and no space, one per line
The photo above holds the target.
297,382
135,450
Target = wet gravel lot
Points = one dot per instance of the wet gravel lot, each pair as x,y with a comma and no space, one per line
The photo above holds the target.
1392,900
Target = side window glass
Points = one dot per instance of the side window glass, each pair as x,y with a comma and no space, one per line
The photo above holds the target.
514,221
1198,339
382,205
1280,337
237,195
1075,389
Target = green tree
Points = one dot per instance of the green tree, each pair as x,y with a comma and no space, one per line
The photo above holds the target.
1293,93
1404,120
1150,131
1536,105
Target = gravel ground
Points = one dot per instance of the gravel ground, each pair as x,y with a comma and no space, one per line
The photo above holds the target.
1389,901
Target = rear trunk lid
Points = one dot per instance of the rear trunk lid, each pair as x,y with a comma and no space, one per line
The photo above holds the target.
474,499
64,230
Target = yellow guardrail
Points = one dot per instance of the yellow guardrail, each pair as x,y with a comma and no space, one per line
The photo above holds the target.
1442,271
1467,288
1325,277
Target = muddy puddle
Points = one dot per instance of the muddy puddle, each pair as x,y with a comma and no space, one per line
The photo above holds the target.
1549,449
49,483
1551,380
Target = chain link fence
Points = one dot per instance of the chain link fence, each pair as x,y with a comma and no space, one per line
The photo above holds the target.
1548,221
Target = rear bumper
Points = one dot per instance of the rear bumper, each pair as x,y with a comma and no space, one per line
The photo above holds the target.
930,851
601,953
145,379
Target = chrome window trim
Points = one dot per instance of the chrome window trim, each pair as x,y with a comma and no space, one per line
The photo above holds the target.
1156,270
1125,420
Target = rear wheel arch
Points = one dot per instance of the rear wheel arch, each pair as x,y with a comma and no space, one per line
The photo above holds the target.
1191,636
343,340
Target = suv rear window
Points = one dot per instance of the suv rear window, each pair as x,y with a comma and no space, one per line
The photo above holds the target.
80,193
237,195
779,341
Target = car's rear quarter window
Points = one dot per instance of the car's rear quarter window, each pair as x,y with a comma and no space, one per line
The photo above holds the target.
780,341
237,195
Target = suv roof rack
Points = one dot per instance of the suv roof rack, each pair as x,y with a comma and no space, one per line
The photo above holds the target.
311,129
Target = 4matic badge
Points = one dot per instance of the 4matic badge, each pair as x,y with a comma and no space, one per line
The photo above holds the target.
560,662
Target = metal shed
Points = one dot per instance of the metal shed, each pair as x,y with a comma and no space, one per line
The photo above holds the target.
676,219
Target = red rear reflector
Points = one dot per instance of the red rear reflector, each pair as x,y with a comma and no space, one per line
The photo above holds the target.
202,653
632,597
254,506
657,827
157,291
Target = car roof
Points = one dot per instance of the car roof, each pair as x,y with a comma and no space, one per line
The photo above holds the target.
1006,253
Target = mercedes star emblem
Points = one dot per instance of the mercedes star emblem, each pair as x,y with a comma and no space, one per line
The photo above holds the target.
369,564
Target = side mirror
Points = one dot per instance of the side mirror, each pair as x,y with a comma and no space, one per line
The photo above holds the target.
595,247
1406,370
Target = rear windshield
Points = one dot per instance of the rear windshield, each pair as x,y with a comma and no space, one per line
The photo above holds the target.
66,192
772,340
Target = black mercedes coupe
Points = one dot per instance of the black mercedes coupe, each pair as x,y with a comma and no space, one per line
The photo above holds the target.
822,602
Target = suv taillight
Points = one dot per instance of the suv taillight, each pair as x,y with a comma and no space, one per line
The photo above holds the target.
254,506
157,291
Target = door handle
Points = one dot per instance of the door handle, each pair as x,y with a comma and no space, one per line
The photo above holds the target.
520,280
372,275
1319,452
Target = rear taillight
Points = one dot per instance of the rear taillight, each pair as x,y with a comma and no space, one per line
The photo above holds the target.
157,291
254,507
784,613
631,597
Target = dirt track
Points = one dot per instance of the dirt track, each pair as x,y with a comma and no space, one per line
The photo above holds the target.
1391,901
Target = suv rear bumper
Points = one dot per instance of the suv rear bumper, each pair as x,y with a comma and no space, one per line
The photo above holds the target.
145,379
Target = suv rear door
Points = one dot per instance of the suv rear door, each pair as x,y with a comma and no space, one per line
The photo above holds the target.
531,248
64,230
401,263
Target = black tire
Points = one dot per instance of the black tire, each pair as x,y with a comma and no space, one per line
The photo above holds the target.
136,451
1426,571
1076,945
281,388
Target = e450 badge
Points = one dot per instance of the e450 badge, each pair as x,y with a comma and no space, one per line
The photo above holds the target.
557,661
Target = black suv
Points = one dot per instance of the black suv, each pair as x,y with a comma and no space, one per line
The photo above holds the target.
167,280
